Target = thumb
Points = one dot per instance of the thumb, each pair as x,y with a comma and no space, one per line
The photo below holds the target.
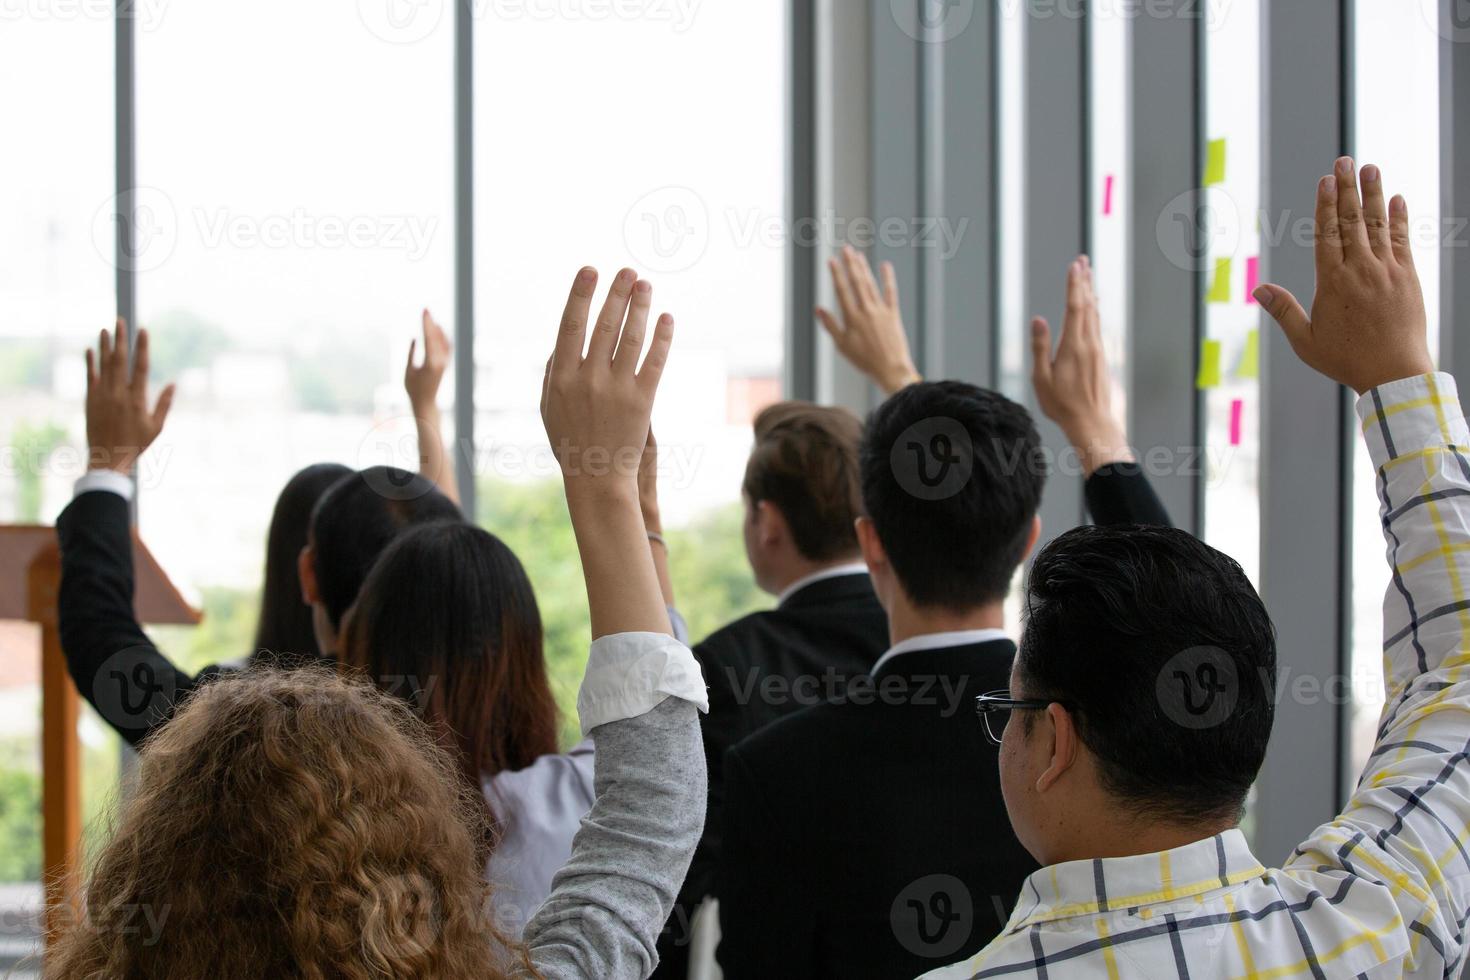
160,410
1040,351
829,322
1286,311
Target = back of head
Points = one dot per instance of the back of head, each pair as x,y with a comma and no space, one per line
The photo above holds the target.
289,824
448,621
357,518
1168,655
952,477
284,627
805,462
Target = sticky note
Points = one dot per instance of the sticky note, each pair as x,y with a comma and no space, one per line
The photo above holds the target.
1237,415
1220,289
1215,162
1108,195
1209,365
1252,277
1250,361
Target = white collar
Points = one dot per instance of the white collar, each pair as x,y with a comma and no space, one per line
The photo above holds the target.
832,571
938,641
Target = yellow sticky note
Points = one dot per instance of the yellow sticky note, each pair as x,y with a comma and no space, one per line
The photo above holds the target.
1220,288
1209,365
1215,162
1250,361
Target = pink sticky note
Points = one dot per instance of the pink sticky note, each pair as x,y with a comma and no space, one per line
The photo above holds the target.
1108,196
1252,278
1237,411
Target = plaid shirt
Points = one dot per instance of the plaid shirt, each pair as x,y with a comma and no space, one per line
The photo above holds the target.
1383,890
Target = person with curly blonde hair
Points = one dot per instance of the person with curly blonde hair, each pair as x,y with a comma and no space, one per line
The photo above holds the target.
305,825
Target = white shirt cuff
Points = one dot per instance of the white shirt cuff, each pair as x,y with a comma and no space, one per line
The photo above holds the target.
630,674
109,480
1406,416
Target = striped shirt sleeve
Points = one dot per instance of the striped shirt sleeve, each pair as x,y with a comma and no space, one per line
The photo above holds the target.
1406,827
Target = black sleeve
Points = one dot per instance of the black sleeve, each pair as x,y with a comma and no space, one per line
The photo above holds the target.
1119,493
721,728
766,919
116,668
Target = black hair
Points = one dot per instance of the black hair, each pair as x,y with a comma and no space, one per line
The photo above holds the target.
1169,657
952,477
284,628
357,518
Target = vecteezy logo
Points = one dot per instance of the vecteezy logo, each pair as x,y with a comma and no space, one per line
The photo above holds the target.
934,21
1449,18
400,21
1196,225
1198,688
388,457
933,917
933,458
130,692
667,230
138,229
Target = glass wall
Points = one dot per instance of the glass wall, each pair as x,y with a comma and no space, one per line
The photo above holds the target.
1396,126
1231,222
1111,176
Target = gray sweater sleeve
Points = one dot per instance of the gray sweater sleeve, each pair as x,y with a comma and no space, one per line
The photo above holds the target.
609,902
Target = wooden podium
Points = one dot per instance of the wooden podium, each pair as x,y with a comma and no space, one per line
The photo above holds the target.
30,575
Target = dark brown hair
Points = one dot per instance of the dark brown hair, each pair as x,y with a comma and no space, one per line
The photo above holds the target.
805,462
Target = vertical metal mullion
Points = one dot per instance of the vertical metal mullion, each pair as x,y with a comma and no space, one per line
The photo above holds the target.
125,177
1454,176
1054,212
801,199
464,253
1165,137
1303,444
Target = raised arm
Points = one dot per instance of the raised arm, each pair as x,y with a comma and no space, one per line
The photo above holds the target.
642,689
421,381
1074,388
1403,832
114,664
869,332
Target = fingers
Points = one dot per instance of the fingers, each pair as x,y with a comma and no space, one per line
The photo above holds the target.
1092,320
413,346
1350,211
436,341
91,370
160,411
890,284
1076,316
1375,213
1286,311
630,346
658,354
1398,230
1040,352
610,320
1329,231
846,300
829,323
572,335
139,383
861,273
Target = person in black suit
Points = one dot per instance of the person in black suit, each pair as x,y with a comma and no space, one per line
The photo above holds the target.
116,667
850,828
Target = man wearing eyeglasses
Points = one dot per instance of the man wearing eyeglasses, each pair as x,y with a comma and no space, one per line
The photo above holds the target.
867,837
1141,702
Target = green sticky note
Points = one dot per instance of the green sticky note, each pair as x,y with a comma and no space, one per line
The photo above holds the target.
1209,365
1220,288
1250,361
1215,163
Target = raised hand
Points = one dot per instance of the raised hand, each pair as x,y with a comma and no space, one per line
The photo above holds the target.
120,425
421,381
1367,325
870,334
596,409
1074,388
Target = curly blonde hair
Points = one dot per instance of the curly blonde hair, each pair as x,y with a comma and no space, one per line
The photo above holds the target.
296,825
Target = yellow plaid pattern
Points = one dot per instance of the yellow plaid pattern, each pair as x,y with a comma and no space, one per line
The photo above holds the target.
1383,890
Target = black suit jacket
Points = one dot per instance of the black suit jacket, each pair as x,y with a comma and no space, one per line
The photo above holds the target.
116,668
760,668
867,837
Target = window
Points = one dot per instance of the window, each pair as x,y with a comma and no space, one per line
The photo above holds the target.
673,168
1396,103
1108,44
1232,239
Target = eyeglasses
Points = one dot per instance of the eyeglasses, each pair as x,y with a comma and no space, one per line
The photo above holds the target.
995,710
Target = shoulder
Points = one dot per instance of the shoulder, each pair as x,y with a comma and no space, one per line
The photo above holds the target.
560,777
799,736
